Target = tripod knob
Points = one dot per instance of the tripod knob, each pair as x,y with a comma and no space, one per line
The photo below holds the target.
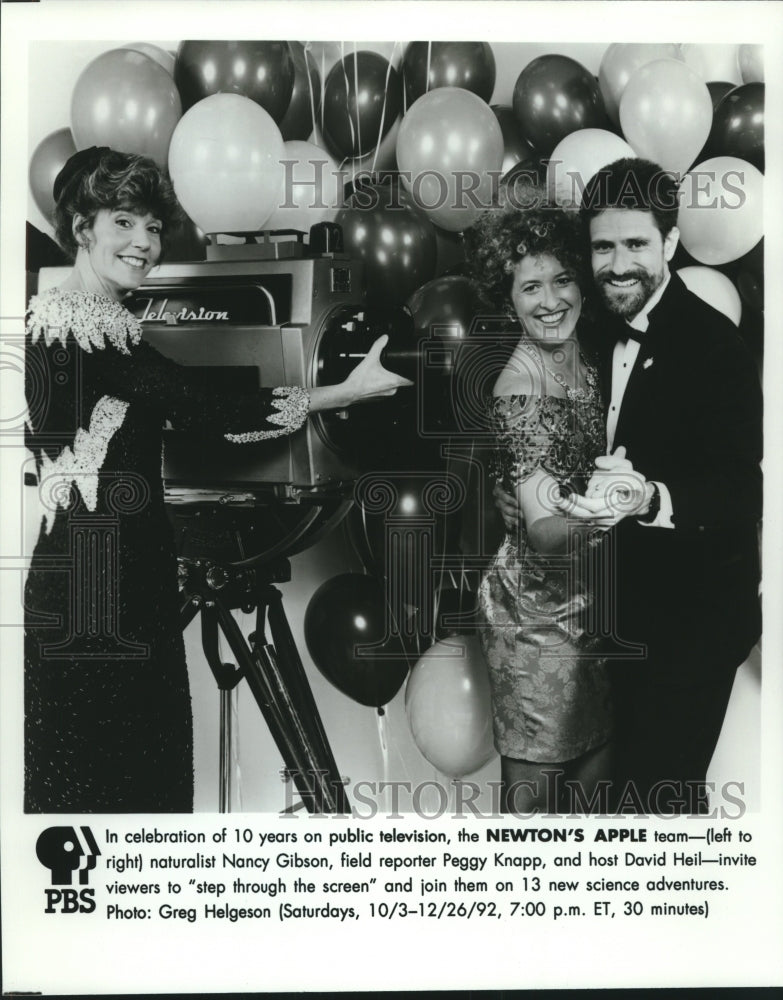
217,577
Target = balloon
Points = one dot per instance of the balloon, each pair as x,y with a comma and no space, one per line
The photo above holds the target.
312,188
620,62
721,211
225,164
516,148
450,253
445,308
326,54
346,613
379,165
125,100
718,90
305,105
666,113
448,145
711,61
511,59
577,158
554,96
383,227
163,58
529,171
715,289
45,164
260,71
362,99
738,125
449,706
427,65
751,63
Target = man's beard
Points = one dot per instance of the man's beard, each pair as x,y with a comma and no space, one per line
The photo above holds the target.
627,303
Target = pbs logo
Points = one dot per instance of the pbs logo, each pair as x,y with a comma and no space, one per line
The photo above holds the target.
66,852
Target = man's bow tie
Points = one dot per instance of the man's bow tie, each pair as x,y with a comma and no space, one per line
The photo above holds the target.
626,333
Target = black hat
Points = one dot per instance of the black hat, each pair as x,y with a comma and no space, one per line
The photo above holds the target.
85,161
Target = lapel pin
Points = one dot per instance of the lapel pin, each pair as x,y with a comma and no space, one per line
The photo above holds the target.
648,363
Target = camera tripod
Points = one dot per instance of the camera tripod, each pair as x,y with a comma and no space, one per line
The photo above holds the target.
273,671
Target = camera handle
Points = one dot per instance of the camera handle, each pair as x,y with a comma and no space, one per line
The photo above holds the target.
274,673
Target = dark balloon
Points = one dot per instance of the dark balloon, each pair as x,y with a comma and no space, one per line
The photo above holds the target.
262,71
46,163
445,308
427,65
554,96
738,125
305,106
362,99
394,238
516,148
529,171
718,90
346,613
371,530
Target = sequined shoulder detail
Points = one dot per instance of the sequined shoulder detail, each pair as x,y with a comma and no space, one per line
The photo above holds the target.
292,403
91,319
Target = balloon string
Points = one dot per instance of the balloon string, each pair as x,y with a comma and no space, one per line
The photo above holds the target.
383,740
307,49
348,94
356,98
383,109
429,59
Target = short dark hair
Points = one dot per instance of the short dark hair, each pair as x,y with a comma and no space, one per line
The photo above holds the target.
633,183
507,233
117,180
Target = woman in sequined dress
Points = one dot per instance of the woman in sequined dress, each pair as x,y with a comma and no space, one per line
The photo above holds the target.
108,725
538,600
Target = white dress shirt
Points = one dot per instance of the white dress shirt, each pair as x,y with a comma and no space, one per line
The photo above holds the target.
623,360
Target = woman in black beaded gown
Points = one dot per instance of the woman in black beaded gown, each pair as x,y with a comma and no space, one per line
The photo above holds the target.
108,725
539,598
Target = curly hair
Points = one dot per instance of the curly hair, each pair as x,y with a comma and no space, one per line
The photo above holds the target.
117,180
511,231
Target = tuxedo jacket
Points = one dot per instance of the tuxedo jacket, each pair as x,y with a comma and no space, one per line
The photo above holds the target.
691,418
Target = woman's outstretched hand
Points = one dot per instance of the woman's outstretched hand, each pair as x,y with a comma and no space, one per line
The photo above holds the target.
370,379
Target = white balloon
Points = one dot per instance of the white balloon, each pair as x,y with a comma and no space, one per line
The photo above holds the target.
713,62
224,162
578,157
714,288
721,214
312,187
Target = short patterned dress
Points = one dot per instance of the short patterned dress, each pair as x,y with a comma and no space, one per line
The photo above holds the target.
108,725
540,612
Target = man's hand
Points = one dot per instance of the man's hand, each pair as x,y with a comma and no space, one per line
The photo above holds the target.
508,507
615,490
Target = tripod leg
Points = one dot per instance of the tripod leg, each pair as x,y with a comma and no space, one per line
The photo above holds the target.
224,788
294,680
227,677
282,725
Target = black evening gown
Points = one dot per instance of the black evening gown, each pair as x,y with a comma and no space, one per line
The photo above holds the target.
108,723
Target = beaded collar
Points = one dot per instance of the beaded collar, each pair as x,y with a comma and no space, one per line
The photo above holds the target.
91,318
